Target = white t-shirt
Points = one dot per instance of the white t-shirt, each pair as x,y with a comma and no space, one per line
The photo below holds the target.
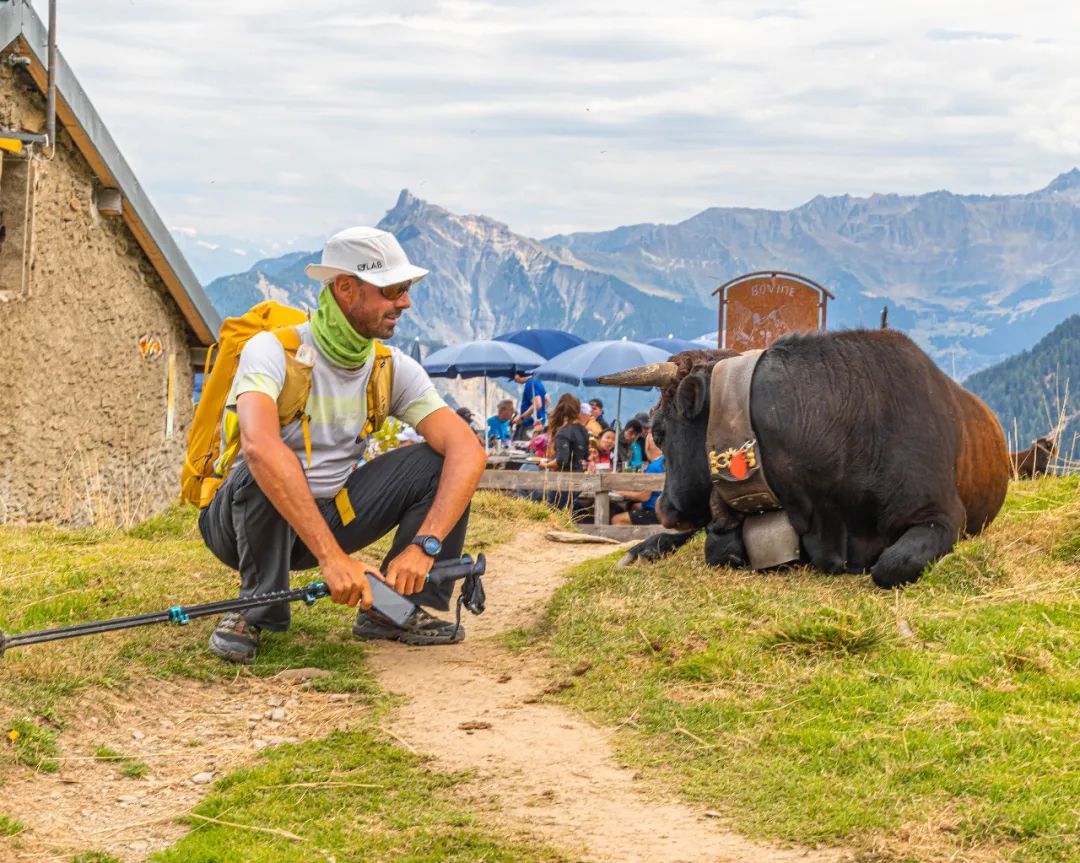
337,404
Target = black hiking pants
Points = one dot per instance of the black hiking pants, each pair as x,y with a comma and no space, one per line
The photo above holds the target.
244,530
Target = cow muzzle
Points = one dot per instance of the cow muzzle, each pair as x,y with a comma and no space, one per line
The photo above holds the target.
673,519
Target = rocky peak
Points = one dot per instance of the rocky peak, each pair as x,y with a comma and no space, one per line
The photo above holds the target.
1067,182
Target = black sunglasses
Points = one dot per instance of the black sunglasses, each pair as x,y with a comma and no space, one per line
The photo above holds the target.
392,292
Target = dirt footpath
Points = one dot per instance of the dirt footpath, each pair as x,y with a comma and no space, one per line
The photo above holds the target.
536,766
187,733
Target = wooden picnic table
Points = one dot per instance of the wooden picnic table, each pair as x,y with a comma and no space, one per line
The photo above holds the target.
507,461
599,486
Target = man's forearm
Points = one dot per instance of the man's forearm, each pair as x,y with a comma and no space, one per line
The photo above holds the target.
282,480
463,465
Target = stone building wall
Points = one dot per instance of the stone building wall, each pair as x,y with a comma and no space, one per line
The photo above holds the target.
82,412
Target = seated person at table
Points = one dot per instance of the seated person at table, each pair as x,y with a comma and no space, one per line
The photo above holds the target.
470,419
468,416
569,451
498,426
605,450
537,445
630,446
642,504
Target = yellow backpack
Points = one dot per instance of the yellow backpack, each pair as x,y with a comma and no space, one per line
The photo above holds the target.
207,462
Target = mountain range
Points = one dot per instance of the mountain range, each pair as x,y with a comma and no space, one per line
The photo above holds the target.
973,278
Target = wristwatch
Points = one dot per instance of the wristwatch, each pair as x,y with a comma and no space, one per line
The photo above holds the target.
430,545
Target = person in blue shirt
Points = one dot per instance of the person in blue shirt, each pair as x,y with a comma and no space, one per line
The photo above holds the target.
631,446
498,426
534,405
642,504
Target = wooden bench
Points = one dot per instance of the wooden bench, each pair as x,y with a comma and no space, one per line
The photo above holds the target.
599,486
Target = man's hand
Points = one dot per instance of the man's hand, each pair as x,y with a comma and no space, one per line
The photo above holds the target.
408,571
347,580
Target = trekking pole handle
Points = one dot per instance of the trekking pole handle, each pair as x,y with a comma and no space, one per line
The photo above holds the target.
452,570
441,572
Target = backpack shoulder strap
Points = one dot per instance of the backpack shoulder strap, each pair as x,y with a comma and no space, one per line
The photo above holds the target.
380,389
292,400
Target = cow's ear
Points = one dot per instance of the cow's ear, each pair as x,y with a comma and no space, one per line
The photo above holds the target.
690,397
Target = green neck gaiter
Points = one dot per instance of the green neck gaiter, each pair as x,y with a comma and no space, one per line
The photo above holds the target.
334,335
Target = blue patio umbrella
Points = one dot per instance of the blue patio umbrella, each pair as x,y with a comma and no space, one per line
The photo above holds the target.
547,343
584,365
414,350
481,359
677,346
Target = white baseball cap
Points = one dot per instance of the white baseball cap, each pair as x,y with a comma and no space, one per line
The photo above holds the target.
371,255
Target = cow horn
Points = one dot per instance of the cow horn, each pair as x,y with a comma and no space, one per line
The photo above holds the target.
652,375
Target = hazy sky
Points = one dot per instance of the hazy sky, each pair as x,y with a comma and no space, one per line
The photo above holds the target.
268,119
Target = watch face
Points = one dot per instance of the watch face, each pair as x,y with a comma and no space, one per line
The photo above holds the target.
431,545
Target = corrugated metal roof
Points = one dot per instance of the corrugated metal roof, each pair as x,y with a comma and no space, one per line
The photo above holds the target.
20,24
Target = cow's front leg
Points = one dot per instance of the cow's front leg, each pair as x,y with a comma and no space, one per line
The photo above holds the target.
724,546
657,546
904,560
826,540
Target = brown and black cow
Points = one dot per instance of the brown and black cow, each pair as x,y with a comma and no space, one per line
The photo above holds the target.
1035,461
880,460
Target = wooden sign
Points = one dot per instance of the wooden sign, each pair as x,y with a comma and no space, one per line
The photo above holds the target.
758,308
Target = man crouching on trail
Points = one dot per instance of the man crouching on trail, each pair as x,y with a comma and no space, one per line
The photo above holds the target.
283,508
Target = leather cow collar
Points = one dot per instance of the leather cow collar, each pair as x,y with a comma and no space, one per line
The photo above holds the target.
734,456
735,463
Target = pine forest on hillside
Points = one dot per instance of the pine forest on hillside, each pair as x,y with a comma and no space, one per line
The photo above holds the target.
1036,389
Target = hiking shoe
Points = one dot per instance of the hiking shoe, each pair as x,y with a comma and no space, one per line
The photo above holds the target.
421,628
235,640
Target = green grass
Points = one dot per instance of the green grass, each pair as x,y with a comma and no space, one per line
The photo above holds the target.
130,768
134,769
349,796
916,725
33,745
10,826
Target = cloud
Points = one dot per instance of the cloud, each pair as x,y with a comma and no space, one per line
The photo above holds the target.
969,36
268,119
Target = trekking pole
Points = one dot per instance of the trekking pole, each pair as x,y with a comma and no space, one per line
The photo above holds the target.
441,572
